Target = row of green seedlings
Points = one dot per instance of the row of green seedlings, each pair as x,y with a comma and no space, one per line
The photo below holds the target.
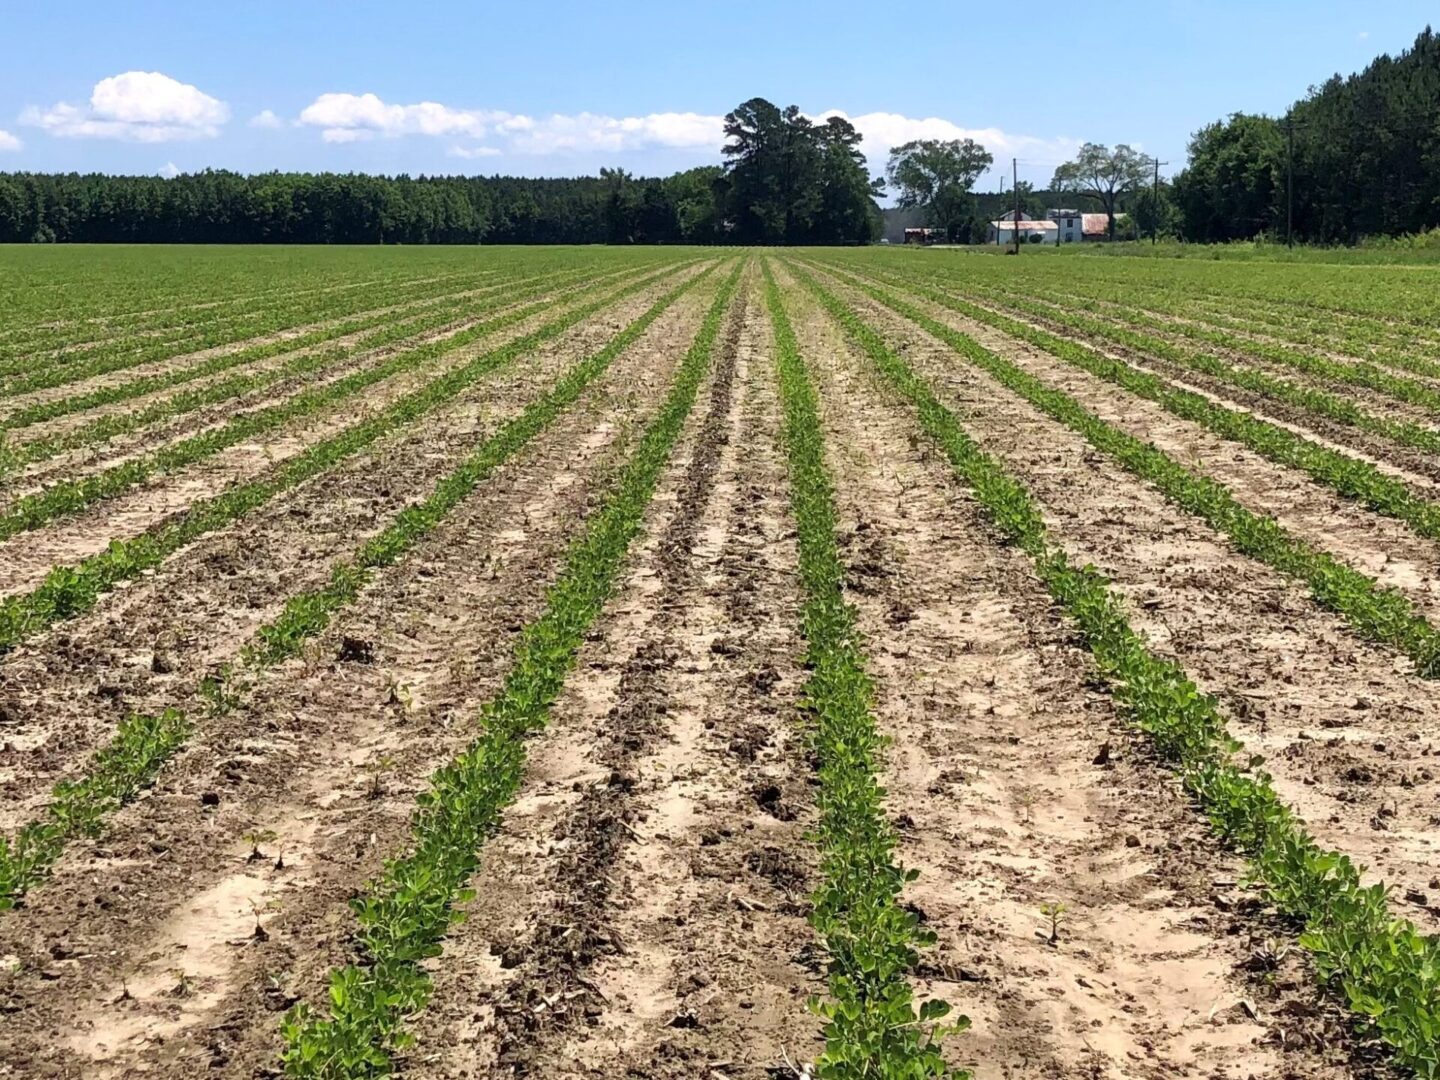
1370,300
67,591
1367,340
344,324
872,1026
25,373
1374,612
393,327
1387,972
1350,477
1360,373
404,916
1390,340
70,496
144,743
1319,402
100,329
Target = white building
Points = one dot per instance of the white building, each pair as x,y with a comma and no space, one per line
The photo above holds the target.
1070,223
1031,232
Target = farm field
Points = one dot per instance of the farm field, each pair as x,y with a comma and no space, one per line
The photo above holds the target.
717,663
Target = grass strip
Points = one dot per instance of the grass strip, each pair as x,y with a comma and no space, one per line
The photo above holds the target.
108,427
1350,477
872,1028
38,845
1375,612
404,915
70,496
70,590
1384,969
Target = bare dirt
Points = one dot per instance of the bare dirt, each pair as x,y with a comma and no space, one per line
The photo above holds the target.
1341,723
642,912
1014,786
328,757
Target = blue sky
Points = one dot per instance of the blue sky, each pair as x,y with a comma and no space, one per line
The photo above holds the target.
562,88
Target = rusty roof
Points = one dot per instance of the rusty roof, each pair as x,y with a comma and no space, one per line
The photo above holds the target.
1092,224
1024,225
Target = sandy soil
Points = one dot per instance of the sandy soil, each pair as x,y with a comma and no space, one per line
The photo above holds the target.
146,647
29,556
642,911
1340,722
329,757
1003,804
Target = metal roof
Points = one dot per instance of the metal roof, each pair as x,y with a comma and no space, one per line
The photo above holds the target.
1024,225
1094,223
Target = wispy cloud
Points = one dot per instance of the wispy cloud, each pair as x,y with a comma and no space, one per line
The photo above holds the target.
348,118
265,119
136,106
9,142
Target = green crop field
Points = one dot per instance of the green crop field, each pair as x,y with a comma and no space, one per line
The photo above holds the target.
717,663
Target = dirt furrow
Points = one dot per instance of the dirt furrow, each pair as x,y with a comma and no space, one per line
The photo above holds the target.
147,647
1376,545
325,763
1340,722
89,460
671,863
26,558
1412,465
1014,786
188,359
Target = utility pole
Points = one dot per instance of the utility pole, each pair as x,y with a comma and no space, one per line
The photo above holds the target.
1289,182
1155,200
1015,184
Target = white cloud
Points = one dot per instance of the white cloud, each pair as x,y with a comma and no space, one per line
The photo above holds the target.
881,131
347,118
266,119
137,106
1362,35
169,170
9,142
344,118
474,151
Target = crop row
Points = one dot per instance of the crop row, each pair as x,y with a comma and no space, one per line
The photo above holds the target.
70,590
404,915
872,1027
1349,476
143,743
26,373
96,329
69,496
1386,971
392,328
1376,613
1401,348
1322,403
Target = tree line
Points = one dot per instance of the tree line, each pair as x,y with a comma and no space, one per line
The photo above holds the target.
785,180
1362,154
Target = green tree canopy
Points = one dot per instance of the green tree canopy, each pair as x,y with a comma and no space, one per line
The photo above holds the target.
937,176
1107,175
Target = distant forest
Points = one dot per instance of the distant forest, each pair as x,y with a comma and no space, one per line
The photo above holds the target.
1366,160
786,181
1362,154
